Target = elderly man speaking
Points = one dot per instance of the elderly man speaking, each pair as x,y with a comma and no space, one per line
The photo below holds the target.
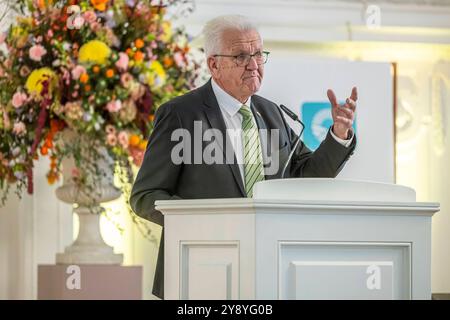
235,57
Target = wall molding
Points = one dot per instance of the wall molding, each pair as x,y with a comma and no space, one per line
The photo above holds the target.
319,21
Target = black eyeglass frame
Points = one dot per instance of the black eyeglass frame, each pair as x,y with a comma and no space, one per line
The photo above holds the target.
265,54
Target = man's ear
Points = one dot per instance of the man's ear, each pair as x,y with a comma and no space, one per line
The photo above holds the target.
213,67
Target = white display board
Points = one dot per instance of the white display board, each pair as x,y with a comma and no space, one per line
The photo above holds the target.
295,81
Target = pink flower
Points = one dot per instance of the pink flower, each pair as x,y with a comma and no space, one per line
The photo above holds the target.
95,26
77,72
19,128
50,33
111,38
122,63
24,71
89,16
2,37
6,121
77,22
75,172
111,140
110,129
8,63
37,52
179,59
73,110
123,139
137,155
19,99
125,79
114,106
137,91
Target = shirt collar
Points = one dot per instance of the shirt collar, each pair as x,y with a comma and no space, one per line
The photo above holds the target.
227,102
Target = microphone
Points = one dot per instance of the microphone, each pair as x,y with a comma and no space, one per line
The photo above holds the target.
294,117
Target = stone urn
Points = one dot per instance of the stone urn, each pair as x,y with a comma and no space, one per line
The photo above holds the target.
89,247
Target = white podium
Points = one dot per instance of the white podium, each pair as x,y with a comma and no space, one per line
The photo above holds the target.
300,239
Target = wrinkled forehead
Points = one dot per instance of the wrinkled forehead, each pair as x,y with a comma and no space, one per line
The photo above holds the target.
236,40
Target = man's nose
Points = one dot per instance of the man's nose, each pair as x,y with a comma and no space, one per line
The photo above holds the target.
252,65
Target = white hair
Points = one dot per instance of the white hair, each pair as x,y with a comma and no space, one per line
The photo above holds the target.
215,28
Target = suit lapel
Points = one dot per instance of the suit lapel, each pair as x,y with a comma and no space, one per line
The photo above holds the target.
215,118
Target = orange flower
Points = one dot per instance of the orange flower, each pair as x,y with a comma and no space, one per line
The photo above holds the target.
42,4
44,150
129,52
48,143
84,78
100,5
96,69
142,145
168,61
151,117
52,177
138,56
134,140
110,73
139,43
87,88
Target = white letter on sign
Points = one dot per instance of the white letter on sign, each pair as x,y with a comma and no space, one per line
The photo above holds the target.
73,282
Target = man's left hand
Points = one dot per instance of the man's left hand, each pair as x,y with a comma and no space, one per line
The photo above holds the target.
344,114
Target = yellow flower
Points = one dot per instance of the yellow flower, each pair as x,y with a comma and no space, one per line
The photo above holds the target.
94,51
167,31
25,21
35,79
156,76
17,31
142,145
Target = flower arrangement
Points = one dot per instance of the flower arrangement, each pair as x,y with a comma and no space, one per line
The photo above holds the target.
98,68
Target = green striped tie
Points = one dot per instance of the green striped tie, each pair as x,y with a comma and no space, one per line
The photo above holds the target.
253,165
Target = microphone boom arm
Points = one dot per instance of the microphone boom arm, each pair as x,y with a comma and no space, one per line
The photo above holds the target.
294,117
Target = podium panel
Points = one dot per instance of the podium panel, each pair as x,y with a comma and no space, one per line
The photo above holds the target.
340,270
209,270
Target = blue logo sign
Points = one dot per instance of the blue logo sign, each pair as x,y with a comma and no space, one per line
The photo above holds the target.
317,119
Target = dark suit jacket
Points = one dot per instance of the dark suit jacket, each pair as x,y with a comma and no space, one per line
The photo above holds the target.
160,179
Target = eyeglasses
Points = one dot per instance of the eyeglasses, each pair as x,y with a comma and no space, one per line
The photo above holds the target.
244,59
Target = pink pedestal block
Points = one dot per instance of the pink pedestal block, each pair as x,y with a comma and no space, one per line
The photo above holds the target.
103,282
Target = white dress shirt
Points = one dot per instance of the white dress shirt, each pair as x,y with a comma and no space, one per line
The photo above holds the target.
229,106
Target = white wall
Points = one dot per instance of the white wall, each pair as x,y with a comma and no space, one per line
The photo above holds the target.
423,155
33,230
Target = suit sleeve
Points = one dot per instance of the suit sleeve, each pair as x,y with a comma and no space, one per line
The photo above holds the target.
325,162
157,178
